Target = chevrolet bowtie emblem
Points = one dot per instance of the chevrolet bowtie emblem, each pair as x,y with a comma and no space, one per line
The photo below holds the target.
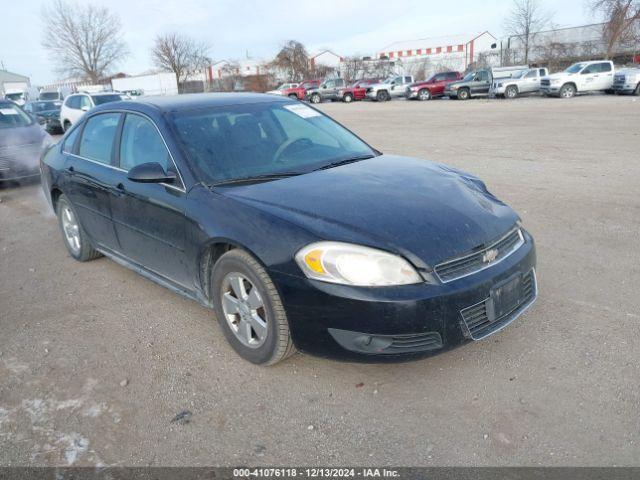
490,255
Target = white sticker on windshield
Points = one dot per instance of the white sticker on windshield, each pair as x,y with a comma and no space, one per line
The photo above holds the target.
302,110
8,111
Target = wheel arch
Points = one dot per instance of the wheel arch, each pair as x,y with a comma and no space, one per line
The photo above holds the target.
55,194
208,256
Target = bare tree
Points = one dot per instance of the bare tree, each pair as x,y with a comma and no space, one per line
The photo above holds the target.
292,59
353,68
525,19
84,40
622,19
181,54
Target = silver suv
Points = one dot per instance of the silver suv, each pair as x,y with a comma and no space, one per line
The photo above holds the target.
526,81
627,80
391,87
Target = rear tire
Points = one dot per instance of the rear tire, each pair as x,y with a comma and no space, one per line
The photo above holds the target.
254,322
511,92
567,91
74,236
636,92
424,94
348,98
463,94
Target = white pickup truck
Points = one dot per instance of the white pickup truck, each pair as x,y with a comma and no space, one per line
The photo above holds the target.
525,81
391,87
580,77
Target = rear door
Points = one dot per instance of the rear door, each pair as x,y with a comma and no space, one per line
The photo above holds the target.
89,174
605,76
149,217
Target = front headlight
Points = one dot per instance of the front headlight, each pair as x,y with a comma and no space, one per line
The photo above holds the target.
349,264
454,87
554,80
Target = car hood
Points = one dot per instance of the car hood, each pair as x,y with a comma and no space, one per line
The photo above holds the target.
425,211
558,75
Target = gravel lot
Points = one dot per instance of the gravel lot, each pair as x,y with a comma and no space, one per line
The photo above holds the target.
96,361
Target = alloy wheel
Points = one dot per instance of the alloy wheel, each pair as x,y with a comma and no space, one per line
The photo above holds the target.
424,94
244,310
71,229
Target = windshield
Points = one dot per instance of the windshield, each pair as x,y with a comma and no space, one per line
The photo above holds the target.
13,96
12,116
575,68
44,106
240,141
100,99
520,74
388,80
469,76
49,96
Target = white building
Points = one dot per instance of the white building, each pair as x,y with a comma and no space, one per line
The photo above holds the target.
455,52
325,58
244,68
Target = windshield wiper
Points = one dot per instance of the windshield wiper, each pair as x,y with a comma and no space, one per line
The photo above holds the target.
344,161
255,178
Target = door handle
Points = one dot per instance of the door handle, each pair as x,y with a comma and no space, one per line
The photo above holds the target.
120,187
71,169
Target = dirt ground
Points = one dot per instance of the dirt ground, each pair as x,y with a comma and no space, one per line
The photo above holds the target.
96,362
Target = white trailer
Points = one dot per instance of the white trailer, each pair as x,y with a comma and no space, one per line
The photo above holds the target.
163,83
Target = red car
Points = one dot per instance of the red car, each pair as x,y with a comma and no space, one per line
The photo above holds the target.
356,91
300,91
433,87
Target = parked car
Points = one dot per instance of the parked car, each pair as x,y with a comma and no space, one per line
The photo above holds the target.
391,87
357,90
527,81
76,105
19,96
627,80
432,87
293,230
300,91
21,142
281,88
47,113
580,77
327,90
51,95
478,83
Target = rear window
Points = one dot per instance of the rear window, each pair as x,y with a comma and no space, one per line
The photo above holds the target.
97,137
49,96
12,116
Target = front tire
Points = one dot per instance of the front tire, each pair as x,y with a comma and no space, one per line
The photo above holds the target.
424,94
348,98
74,236
382,96
463,94
293,96
567,91
315,98
636,92
249,309
511,92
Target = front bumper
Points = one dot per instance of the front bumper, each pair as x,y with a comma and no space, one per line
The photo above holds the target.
551,89
624,87
450,93
410,94
19,163
395,323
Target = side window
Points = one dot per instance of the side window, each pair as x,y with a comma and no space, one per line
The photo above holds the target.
531,74
605,67
28,108
70,141
329,84
85,101
73,102
97,137
482,76
542,72
452,76
407,79
141,143
595,68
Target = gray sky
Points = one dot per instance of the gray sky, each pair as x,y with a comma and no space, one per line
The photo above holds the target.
233,27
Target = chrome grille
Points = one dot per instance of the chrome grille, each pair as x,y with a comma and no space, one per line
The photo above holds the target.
479,260
478,320
545,83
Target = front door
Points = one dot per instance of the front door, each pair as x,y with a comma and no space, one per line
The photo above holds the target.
481,83
149,217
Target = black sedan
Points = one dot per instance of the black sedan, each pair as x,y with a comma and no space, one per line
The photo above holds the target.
21,142
47,113
296,232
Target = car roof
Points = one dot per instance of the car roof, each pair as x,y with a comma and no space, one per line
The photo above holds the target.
195,100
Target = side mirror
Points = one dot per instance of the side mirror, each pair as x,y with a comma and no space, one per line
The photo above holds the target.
151,172
84,108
